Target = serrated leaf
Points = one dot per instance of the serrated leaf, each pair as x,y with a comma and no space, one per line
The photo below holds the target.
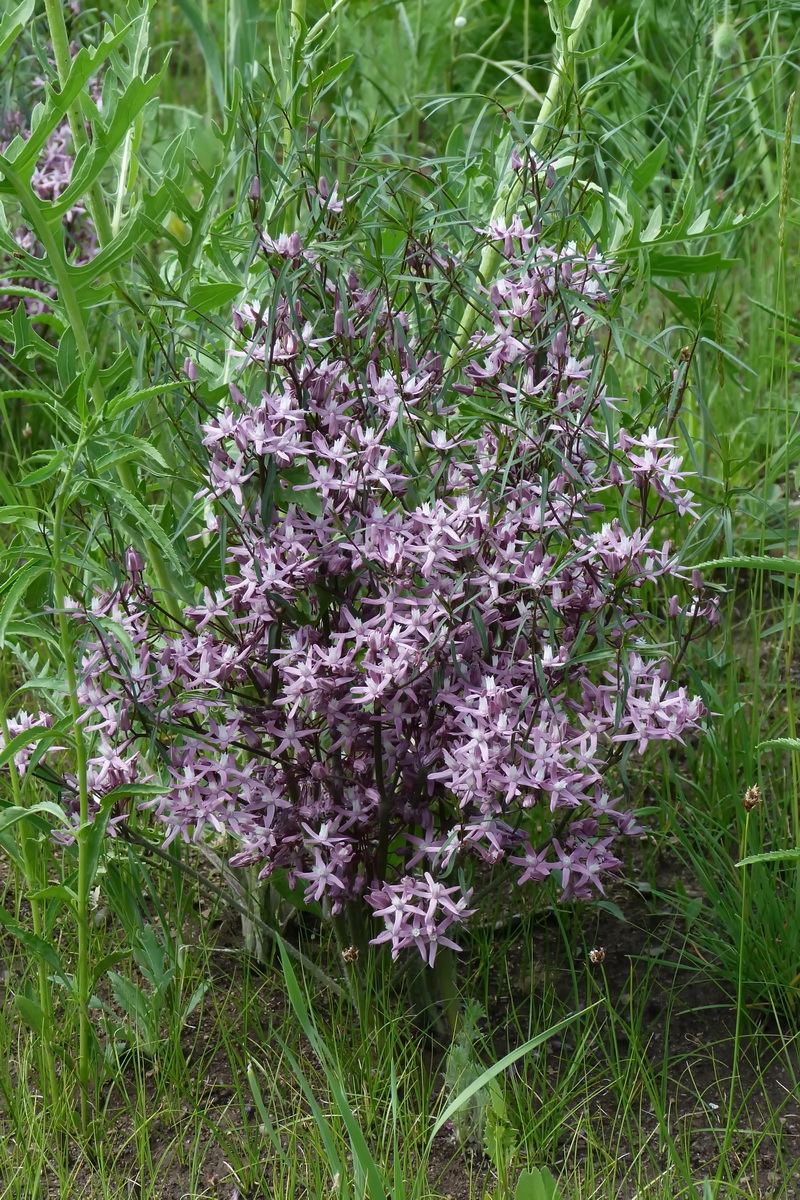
13,23
769,856
754,562
122,403
133,1001
144,519
43,473
130,447
23,155
780,744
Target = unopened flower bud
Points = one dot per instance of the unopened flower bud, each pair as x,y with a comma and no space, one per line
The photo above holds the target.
725,40
460,21
134,564
190,369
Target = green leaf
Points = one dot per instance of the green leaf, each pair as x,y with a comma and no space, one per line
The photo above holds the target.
683,265
130,447
754,562
770,856
135,1003
331,74
144,519
16,813
56,891
45,472
10,846
208,297
648,168
90,162
537,1184
780,744
32,942
37,734
13,590
653,229
121,403
13,23
23,155
699,224
268,1127
486,1076
106,963
31,1012
362,1157
93,833
208,47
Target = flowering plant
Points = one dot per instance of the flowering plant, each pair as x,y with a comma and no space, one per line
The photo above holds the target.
430,645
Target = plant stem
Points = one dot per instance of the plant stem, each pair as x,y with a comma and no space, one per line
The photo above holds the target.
97,210
54,11
297,14
84,866
511,182
33,881
444,970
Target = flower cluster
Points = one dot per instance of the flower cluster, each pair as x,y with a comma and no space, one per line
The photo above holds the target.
430,645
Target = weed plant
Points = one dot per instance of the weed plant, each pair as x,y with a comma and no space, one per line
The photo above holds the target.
670,127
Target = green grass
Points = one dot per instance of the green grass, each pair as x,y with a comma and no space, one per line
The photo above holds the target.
685,1074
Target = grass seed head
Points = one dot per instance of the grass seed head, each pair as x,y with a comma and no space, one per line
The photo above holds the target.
752,797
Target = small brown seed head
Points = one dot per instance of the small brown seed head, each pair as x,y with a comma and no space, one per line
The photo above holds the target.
598,955
752,797
351,954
